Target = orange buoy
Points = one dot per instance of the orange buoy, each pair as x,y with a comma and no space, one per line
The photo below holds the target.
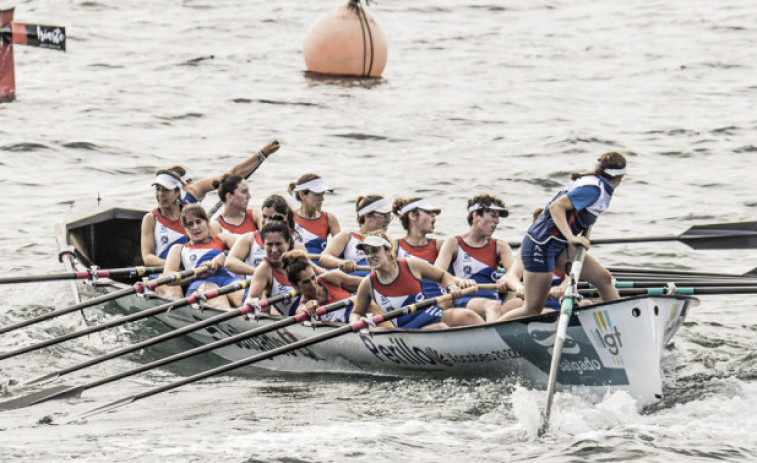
346,41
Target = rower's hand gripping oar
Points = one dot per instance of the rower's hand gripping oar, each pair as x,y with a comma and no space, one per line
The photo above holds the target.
139,287
129,272
263,154
738,235
244,310
349,328
566,311
60,392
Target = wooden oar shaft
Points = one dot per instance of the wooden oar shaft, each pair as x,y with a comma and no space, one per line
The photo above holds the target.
132,272
350,328
692,283
120,321
283,323
685,291
164,337
139,287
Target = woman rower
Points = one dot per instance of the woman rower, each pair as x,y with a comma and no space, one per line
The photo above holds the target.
248,250
312,224
418,217
162,228
373,214
318,290
552,238
269,277
476,255
235,218
203,249
394,283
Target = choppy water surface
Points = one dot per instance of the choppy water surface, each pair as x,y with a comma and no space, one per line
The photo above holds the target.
501,97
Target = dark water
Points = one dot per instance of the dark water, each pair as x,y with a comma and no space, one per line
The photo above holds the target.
499,97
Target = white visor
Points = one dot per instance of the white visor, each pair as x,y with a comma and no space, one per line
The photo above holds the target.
375,241
420,204
381,206
167,181
615,172
316,186
503,212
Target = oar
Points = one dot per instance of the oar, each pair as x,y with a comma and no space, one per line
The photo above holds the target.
686,291
566,310
245,309
358,268
67,257
197,297
139,287
739,235
349,328
60,392
692,283
129,272
620,272
263,154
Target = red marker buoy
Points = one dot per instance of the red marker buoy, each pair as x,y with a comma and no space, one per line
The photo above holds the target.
35,35
346,41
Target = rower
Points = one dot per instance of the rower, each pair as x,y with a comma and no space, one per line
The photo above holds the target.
162,227
477,255
203,248
269,278
418,217
319,290
248,250
373,214
394,283
313,225
553,238
235,218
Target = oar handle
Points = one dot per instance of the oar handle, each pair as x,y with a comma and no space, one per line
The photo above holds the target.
131,272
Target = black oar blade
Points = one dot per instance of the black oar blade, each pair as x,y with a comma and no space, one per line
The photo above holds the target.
751,273
737,235
57,392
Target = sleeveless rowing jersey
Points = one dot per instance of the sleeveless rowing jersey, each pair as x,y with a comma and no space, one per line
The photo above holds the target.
247,225
335,293
406,289
313,233
187,198
428,252
192,255
351,252
257,250
478,264
280,285
167,233
544,229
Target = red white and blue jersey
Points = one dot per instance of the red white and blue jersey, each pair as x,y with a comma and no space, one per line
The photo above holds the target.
313,233
351,252
167,233
428,252
257,250
478,264
194,255
543,229
335,293
280,285
247,225
406,289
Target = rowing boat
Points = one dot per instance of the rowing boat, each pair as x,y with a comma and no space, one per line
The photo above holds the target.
609,346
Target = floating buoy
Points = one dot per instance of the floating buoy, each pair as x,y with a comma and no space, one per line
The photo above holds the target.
346,41
35,35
